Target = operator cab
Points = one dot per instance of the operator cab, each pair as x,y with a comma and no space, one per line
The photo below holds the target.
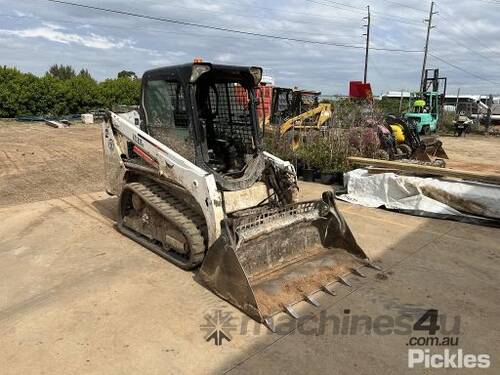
207,114
305,101
225,111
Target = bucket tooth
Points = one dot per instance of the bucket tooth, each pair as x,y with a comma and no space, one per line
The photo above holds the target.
358,272
289,309
270,323
311,300
344,281
326,289
374,266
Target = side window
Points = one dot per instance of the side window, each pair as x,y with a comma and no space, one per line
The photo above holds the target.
167,118
283,101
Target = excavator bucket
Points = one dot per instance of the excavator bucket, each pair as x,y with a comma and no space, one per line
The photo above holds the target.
266,262
430,149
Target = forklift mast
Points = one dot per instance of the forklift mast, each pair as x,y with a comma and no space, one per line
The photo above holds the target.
435,83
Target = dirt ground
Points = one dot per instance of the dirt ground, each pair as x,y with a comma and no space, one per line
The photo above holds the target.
38,162
473,153
78,297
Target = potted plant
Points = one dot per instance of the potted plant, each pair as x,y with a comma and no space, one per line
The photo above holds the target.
299,167
305,156
333,150
333,173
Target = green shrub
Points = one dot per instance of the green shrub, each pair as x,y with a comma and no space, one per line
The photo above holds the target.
27,94
446,122
327,151
391,105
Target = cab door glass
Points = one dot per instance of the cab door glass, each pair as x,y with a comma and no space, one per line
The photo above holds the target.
166,117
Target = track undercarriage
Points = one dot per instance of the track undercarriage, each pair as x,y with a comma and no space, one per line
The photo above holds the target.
158,220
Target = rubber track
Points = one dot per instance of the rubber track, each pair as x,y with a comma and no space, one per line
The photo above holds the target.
176,212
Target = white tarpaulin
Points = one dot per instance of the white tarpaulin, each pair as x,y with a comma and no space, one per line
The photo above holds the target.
432,195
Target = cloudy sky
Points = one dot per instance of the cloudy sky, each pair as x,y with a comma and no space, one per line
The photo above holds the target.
38,33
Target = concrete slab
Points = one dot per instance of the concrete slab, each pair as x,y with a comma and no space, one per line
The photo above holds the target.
78,297
460,281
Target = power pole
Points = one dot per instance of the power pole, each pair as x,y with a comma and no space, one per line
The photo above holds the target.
456,102
488,115
401,102
429,27
368,18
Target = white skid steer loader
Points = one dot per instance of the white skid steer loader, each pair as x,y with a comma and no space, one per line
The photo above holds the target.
195,187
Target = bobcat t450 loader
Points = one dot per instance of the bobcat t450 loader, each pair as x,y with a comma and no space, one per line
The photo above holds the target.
195,187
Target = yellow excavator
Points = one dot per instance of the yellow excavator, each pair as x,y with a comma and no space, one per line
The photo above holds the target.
295,112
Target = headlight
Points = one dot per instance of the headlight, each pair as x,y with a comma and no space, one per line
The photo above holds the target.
198,70
256,73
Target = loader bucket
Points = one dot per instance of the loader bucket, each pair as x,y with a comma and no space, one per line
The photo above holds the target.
266,262
430,148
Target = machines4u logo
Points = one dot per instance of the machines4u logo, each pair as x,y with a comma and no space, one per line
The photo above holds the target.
218,326
429,354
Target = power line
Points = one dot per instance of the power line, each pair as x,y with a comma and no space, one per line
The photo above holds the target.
406,6
347,8
344,5
429,20
247,15
452,24
123,27
312,15
358,10
397,19
252,15
463,70
490,2
475,53
225,29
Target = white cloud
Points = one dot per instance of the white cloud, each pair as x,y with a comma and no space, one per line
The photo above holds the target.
54,33
224,57
160,62
21,14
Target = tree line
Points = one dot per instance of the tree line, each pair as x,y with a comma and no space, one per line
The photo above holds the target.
62,91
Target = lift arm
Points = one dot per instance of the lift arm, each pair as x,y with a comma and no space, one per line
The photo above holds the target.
170,165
